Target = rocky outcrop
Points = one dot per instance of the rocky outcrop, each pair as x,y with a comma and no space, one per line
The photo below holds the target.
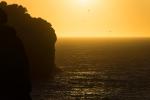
38,37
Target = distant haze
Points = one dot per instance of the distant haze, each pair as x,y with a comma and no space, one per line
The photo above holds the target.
93,18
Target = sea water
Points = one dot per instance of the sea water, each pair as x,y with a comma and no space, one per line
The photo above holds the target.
99,69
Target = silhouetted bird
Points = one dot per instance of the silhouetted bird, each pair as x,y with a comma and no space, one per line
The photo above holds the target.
14,68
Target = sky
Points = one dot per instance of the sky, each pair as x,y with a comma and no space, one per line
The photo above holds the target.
93,18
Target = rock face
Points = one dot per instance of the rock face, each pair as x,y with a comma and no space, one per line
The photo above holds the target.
38,37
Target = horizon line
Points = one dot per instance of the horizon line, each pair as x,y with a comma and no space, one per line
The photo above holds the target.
86,37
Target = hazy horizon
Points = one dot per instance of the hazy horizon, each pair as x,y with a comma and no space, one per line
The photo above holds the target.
97,37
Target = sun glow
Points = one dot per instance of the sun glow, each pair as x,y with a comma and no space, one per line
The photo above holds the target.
83,2
93,18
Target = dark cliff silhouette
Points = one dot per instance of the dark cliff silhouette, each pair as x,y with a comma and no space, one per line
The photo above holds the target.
14,67
38,37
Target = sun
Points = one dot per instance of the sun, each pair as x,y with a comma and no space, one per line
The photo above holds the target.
84,2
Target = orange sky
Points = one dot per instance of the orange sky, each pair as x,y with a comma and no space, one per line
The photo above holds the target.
93,18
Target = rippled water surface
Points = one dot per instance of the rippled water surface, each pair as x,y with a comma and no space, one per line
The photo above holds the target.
99,69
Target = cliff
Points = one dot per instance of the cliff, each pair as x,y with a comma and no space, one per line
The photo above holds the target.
38,37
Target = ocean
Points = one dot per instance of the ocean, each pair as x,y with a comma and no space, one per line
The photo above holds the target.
99,69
